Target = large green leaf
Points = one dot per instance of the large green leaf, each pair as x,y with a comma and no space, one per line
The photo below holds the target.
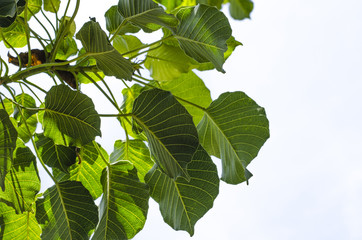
136,152
202,34
240,9
109,60
68,47
191,88
168,62
22,181
234,128
53,155
129,96
88,169
66,211
15,35
169,128
70,117
124,206
146,14
15,226
23,129
183,203
127,45
114,19
90,62
51,5
34,7
9,10
170,4
8,136
7,105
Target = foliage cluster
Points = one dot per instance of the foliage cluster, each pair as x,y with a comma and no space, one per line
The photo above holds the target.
171,124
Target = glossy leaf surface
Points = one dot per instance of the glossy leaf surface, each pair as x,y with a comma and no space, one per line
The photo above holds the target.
234,128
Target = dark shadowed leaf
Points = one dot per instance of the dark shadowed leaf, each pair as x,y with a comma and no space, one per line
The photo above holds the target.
8,136
109,60
18,226
168,62
192,89
146,14
66,211
88,168
124,205
114,19
202,34
234,128
53,155
183,203
70,117
169,128
136,152
22,181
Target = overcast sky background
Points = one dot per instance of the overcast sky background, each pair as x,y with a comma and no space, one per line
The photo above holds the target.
302,61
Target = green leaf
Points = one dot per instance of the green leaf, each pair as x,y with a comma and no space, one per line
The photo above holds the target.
240,9
88,169
9,10
124,204
22,181
88,63
18,226
183,203
232,44
171,134
27,101
66,211
8,136
109,60
146,14
216,3
202,34
53,155
168,62
8,106
70,117
60,176
114,19
127,43
129,96
34,6
234,128
192,89
23,132
136,152
51,5
15,35
67,48
170,4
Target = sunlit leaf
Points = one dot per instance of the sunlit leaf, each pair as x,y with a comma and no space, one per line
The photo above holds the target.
88,63
51,5
22,181
67,48
170,4
8,106
127,45
191,88
109,60
66,211
240,9
55,156
8,136
202,34
168,62
216,3
18,226
136,152
34,7
124,204
114,19
146,14
171,134
88,169
183,203
15,35
234,128
26,131
70,117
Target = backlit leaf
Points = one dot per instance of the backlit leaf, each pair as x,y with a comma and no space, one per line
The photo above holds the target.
15,35
70,117
171,134
124,204
51,5
234,128
127,43
183,203
240,9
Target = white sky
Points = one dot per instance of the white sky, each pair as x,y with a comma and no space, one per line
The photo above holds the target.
302,61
